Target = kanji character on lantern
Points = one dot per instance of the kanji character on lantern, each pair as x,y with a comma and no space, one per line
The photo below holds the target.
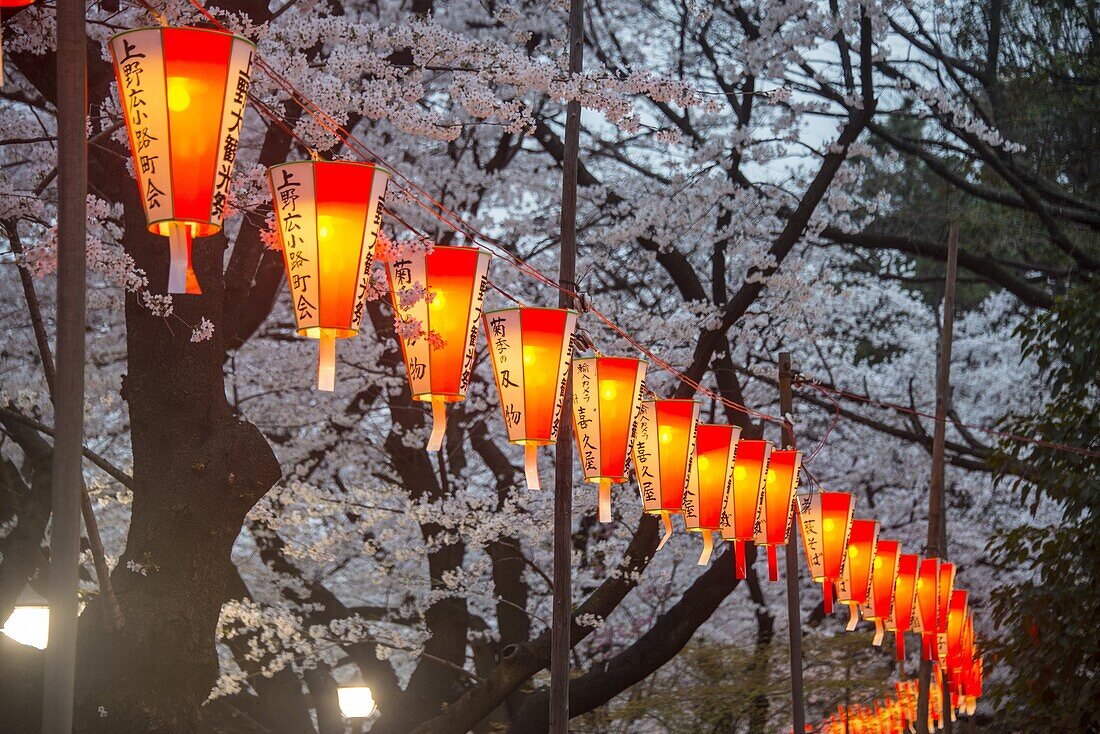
664,447
709,484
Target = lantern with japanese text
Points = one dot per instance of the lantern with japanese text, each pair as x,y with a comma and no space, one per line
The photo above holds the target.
905,589
664,447
711,476
606,393
441,291
327,214
884,574
854,585
957,615
773,523
183,95
927,603
825,518
531,349
743,498
943,607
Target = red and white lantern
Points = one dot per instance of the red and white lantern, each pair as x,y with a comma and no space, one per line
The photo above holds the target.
664,448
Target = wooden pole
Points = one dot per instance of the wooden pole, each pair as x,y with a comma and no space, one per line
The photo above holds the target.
937,521
68,479
794,605
563,457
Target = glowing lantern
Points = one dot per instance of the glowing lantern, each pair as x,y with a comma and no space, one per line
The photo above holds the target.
328,216
943,606
664,446
924,621
531,349
712,474
854,585
904,596
826,518
183,93
29,624
606,393
773,525
744,496
884,574
356,702
956,629
440,358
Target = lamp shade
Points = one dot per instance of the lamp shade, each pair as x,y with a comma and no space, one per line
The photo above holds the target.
957,614
884,574
826,518
183,94
905,589
664,448
854,585
356,702
773,521
606,393
927,603
743,498
531,350
943,606
327,214
440,358
711,476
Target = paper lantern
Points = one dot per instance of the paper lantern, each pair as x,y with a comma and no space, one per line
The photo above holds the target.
440,358
884,574
924,620
606,393
826,518
943,605
956,628
664,447
854,585
531,350
327,214
183,95
904,596
744,496
773,521
709,483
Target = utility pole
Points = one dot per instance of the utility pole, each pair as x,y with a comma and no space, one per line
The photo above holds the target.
68,479
937,520
794,606
563,458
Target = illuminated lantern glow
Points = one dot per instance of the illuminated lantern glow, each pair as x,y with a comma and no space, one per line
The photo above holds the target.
531,351
904,599
356,702
773,525
884,575
439,360
924,620
826,518
328,215
709,484
606,394
943,605
29,624
183,96
741,508
854,585
957,614
664,448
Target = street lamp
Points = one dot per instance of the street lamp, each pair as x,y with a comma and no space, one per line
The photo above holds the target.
356,702
29,622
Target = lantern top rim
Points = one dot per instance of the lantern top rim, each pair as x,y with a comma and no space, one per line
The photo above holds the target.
531,308
670,400
607,356
215,31
376,166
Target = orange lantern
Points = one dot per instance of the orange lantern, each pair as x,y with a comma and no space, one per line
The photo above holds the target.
854,585
884,574
740,510
957,615
606,393
826,518
664,446
904,595
183,93
925,619
440,358
531,349
328,217
708,486
943,606
773,526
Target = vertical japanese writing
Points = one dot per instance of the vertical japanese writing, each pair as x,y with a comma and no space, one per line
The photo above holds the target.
238,81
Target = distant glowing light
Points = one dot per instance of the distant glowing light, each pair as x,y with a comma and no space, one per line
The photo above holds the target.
356,702
29,625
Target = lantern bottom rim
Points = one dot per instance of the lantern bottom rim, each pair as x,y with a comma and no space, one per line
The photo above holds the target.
698,529
533,441
446,397
314,332
612,479
197,227
663,510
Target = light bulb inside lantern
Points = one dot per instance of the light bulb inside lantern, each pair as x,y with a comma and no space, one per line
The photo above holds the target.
878,563
771,476
528,356
179,99
704,463
666,435
829,526
326,227
609,391
356,702
29,625
853,552
438,301
739,473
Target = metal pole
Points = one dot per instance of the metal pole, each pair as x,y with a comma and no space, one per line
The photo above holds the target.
794,606
937,521
563,457
67,480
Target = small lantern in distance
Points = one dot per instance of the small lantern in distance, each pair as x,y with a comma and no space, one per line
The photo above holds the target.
854,585
183,95
439,360
664,447
904,597
773,526
826,518
531,349
328,215
740,510
606,393
884,575
712,473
